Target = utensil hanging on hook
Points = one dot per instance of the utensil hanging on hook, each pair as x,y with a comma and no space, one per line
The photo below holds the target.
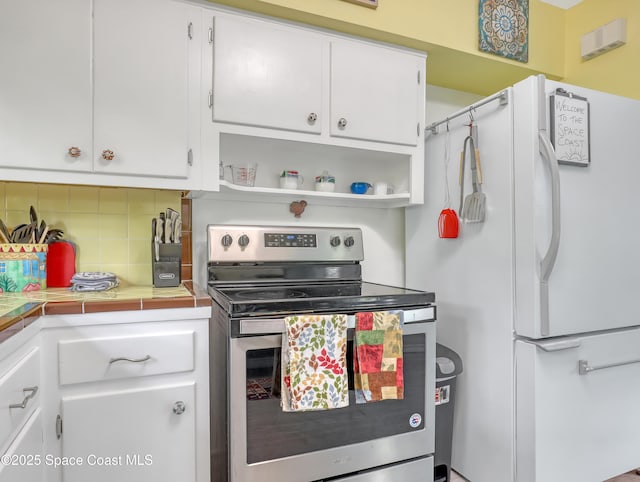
472,210
448,223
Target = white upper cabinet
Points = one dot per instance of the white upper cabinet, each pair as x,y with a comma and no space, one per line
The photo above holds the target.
45,85
267,75
100,92
289,96
375,93
141,103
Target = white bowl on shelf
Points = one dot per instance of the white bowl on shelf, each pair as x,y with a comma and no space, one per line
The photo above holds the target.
325,186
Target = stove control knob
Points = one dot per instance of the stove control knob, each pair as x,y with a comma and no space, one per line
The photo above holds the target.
349,241
334,241
226,241
243,241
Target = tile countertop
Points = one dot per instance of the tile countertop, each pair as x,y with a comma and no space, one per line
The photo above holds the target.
18,310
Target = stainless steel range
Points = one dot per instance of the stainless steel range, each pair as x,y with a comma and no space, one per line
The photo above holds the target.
257,275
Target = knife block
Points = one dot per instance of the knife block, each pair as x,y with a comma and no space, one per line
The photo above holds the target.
166,270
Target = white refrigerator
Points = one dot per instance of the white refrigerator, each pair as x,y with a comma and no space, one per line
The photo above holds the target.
542,299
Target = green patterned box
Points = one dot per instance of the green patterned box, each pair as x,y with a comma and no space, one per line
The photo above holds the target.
23,267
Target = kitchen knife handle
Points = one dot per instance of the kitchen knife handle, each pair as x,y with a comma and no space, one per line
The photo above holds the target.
162,227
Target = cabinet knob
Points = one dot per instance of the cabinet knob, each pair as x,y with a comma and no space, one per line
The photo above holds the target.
312,118
179,407
74,152
342,123
108,155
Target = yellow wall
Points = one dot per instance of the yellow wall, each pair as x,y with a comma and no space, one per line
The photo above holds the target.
110,226
617,71
446,29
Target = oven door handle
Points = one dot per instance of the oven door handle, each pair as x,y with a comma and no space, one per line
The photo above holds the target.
264,326
261,326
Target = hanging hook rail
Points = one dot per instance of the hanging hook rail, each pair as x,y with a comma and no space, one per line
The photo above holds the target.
501,96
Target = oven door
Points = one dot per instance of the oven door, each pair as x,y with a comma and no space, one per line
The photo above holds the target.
269,444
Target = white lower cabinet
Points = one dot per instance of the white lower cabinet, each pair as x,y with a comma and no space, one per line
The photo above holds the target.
130,435
128,401
24,461
21,429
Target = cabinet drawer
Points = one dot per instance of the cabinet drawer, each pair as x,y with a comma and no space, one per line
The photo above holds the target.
107,358
17,385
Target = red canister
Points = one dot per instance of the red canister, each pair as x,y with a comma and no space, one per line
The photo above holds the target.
61,264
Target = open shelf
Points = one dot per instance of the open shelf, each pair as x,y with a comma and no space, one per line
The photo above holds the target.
235,192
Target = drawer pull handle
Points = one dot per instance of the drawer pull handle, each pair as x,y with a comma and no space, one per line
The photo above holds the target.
584,368
132,360
29,392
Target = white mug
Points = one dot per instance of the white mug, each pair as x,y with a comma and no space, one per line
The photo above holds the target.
290,180
380,188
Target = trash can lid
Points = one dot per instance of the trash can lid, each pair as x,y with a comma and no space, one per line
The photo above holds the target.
448,362
446,366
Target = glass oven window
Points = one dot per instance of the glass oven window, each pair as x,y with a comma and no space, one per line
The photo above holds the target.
273,433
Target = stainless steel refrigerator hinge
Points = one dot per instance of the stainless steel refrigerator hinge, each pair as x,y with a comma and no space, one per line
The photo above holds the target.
190,157
190,30
210,99
58,427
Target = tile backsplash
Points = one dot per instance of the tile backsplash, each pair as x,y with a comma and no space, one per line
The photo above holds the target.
111,227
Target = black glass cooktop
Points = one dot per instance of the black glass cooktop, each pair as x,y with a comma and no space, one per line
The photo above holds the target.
320,297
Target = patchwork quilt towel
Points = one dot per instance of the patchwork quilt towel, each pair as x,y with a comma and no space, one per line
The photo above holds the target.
314,363
377,357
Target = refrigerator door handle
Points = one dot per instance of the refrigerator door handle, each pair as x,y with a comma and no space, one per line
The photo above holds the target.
584,368
549,259
555,344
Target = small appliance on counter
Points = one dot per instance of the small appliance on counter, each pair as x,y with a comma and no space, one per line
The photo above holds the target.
61,264
166,249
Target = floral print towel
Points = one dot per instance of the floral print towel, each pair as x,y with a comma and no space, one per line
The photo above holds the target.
314,363
377,357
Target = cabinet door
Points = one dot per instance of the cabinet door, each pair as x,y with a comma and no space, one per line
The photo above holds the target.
375,93
141,77
25,454
131,435
45,85
267,75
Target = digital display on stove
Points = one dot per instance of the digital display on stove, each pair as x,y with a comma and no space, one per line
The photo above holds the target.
288,240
